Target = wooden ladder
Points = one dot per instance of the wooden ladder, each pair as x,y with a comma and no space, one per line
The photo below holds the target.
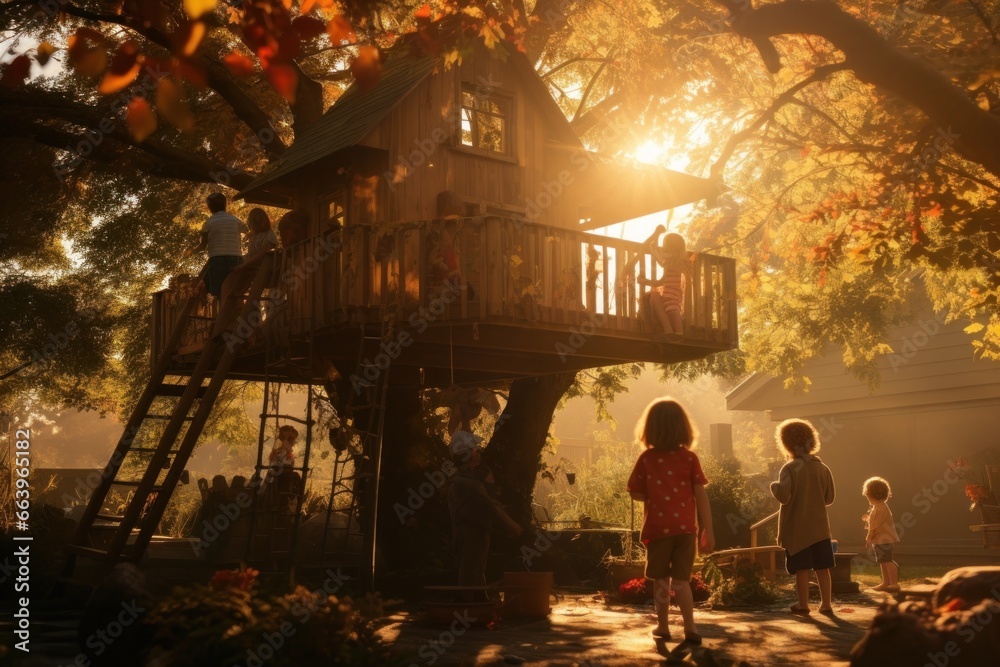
364,422
133,530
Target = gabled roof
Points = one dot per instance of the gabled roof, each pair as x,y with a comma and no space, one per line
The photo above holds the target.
614,191
352,116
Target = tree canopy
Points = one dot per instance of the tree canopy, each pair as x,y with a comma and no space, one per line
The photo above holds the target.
859,142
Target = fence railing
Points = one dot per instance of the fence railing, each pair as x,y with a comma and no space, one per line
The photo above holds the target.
487,269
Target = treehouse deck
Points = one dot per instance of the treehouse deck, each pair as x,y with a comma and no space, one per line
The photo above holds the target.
465,301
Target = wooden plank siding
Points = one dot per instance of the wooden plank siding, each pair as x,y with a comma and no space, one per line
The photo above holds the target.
423,154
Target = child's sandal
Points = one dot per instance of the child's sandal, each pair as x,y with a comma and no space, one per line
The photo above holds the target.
799,611
660,634
692,638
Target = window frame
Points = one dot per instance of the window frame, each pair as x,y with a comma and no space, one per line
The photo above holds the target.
505,100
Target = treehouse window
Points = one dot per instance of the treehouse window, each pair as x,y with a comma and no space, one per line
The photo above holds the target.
485,121
334,210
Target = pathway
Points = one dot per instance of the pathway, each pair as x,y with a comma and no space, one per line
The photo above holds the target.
584,632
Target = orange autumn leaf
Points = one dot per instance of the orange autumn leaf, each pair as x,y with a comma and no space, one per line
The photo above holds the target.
340,30
367,67
423,14
284,79
306,6
188,37
935,211
86,52
140,119
124,67
197,8
190,70
44,52
171,103
238,64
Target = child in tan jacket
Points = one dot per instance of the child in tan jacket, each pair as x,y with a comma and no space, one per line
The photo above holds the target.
882,533
804,489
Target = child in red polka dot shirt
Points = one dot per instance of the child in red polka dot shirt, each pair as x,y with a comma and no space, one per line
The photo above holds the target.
668,479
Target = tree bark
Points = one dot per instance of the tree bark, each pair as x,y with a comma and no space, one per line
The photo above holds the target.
975,132
515,451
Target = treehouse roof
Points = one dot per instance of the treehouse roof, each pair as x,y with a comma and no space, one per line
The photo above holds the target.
615,190
352,116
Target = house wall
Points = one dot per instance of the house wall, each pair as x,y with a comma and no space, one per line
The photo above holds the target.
934,403
425,158
914,451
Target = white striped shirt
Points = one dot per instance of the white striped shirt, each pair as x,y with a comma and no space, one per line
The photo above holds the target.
223,232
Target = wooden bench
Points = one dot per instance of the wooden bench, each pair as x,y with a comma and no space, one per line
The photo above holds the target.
767,556
991,534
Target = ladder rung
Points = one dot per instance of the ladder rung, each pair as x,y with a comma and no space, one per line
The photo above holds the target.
135,483
264,466
177,390
111,517
87,551
310,422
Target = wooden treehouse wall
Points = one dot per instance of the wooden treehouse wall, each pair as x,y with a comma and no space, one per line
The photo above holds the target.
419,136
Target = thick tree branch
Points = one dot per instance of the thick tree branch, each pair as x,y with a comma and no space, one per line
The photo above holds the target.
597,114
591,83
218,77
106,140
781,100
874,61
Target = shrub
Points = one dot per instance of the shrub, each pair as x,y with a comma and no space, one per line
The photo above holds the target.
227,623
640,591
736,503
746,587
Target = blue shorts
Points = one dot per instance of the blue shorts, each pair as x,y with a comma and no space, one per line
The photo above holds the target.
219,267
818,556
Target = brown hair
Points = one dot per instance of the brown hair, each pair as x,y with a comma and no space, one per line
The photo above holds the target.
798,437
216,202
258,220
665,425
876,488
293,227
287,430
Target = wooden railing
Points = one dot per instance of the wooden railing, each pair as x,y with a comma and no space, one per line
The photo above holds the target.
483,269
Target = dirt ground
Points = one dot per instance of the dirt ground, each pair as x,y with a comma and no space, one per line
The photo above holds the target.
583,631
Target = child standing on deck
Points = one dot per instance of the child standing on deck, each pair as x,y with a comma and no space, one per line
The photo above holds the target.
804,489
669,480
881,531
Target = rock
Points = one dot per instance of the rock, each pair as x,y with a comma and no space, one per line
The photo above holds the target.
970,584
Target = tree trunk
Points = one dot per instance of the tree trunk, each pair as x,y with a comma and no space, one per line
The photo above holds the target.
413,523
515,451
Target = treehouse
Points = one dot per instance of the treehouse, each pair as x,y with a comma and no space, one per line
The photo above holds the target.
449,244
456,201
